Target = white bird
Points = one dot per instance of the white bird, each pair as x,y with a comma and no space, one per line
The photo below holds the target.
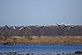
29,28
14,27
21,28
57,24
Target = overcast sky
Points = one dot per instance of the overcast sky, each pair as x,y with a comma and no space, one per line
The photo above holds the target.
40,12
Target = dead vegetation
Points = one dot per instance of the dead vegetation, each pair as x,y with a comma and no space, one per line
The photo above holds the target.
43,40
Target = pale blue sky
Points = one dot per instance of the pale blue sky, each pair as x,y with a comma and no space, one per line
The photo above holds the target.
40,12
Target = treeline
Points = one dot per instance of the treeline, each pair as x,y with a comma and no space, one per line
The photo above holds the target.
58,30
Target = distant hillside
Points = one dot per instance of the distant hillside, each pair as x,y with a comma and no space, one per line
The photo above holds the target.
59,30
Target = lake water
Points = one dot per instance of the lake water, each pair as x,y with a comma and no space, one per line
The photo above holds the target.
41,48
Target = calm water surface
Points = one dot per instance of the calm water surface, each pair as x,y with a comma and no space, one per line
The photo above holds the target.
41,48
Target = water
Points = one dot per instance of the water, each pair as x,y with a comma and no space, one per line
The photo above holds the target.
41,48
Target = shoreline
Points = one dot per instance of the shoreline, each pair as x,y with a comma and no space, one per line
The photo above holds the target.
40,44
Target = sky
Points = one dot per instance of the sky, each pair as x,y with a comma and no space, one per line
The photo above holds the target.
40,12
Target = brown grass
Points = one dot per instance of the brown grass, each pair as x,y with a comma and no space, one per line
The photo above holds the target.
44,40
